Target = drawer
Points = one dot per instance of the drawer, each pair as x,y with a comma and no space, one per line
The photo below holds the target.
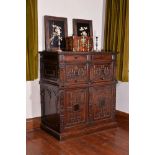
74,73
103,57
100,72
73,58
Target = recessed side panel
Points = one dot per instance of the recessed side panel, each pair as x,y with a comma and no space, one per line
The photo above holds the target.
50,108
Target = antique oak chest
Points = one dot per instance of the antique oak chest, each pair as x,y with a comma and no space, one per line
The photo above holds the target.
78,91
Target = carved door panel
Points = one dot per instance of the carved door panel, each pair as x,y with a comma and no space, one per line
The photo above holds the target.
76,73
75,110
101,72
101,102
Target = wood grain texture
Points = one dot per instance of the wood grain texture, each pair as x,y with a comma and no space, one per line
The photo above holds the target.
121,114
122,119
113,141
33,123
78,91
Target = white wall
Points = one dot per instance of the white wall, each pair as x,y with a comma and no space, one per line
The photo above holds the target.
33,107
83,9
122,96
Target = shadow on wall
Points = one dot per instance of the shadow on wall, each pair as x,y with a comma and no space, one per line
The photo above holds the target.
33,106
122,96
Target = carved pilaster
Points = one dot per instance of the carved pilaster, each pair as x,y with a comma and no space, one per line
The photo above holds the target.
90,105
61,102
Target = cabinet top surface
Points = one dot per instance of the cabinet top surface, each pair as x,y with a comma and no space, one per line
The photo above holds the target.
79,53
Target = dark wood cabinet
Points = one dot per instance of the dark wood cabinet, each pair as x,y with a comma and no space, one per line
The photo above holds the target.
78,92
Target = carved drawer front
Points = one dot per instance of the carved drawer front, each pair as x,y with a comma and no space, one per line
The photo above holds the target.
101,102
75,106
101,72
76,73
49,71
74,58
103,57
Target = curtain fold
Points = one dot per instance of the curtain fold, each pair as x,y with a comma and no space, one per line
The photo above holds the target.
31,40
116,34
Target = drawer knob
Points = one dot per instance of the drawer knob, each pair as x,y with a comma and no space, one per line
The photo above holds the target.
76,107
75,57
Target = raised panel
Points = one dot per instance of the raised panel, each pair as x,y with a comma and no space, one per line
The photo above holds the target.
101,72
75,111
103,57
76,73
81,93
49,71
74,58
50,107
101,102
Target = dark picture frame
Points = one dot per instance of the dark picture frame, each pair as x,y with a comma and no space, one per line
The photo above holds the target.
82,23
51,39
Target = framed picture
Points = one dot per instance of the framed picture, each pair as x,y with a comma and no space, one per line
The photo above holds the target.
82,27
55,33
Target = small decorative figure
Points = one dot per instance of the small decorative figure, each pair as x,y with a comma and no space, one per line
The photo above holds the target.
83,31
96,43
56,34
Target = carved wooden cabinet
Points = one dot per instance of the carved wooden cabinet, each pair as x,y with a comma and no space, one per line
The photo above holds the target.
77,92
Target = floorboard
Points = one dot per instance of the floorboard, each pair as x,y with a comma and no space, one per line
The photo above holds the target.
113,141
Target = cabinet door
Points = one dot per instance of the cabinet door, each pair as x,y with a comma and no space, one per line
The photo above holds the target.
101,102
75,107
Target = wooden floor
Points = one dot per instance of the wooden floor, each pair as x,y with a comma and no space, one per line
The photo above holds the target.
108,142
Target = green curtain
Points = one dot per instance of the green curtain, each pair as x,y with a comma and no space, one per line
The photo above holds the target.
116,34
31,40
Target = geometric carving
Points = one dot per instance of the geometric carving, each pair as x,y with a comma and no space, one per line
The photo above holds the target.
76,73
76,90
49,96
50,106
101,102
49,71
75,106
101,72
61,102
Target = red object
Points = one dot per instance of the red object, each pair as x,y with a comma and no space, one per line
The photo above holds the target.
79,43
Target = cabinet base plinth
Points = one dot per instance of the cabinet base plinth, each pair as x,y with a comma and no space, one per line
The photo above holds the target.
70,132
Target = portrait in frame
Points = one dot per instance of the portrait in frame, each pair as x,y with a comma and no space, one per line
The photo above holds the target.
55,33
82,27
